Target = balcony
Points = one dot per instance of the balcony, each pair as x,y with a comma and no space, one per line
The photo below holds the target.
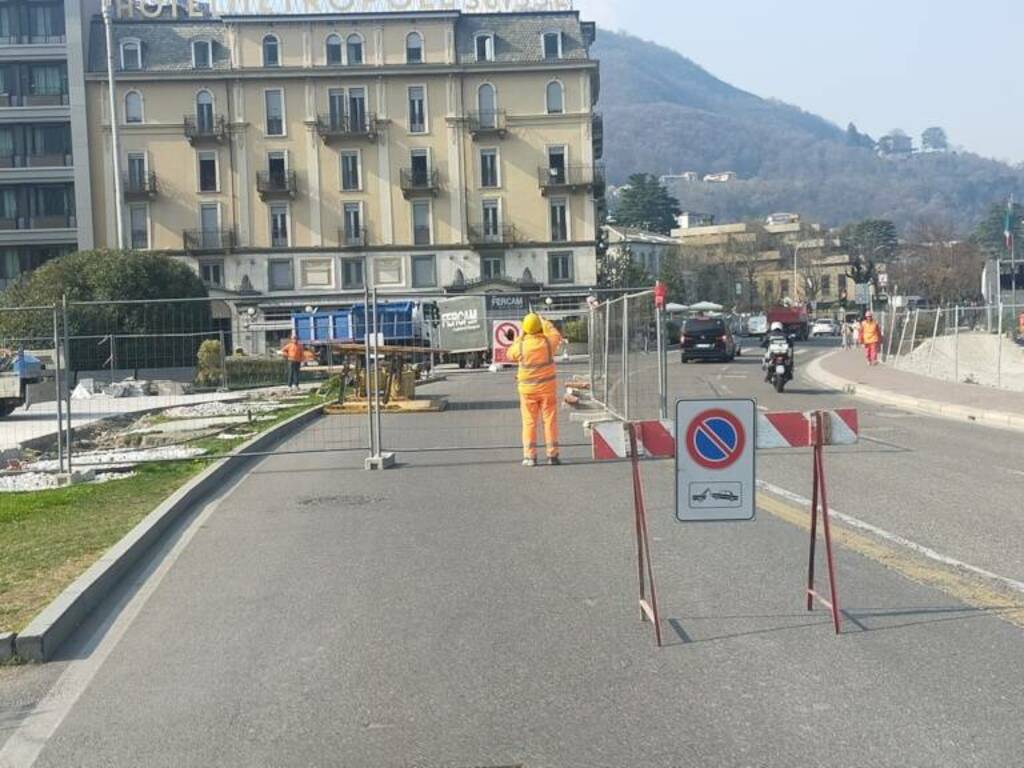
205,131
333,128
139,187
358,238
597,134
51,160
489,124
275,185
480,235
571,178
51,221
208,240
416,182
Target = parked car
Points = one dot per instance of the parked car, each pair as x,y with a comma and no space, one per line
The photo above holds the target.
707,338
825,327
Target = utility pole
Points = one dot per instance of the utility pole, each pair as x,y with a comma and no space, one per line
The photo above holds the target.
1011,226
114,134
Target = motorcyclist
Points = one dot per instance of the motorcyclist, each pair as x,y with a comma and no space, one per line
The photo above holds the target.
777,332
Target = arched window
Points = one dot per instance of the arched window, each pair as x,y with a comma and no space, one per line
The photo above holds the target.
131,54
202,54
333,49
486,102
555,98
484,44
271,51
204,111
133,107
414,48
354,44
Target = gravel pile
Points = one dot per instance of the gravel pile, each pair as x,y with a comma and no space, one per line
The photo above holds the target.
237,408
41,481
119,458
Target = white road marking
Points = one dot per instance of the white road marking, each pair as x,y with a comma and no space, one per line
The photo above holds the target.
931,554
22,748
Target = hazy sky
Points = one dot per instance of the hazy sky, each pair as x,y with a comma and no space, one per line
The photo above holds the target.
883,64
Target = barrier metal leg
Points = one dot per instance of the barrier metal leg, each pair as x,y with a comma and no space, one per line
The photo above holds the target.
648,608
819,501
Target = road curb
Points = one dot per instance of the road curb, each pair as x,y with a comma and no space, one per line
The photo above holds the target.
997,419
6,646
43,636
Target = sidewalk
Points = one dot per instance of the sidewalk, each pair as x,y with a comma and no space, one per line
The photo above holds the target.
847,370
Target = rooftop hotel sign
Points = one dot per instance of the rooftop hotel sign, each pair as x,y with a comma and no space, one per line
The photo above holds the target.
152,9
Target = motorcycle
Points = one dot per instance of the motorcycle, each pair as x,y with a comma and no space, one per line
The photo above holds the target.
778,363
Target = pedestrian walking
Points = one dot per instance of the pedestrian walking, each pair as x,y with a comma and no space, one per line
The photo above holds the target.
538,385
293,352
855,332
871,336
846,330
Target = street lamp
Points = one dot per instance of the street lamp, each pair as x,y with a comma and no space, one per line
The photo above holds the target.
114,134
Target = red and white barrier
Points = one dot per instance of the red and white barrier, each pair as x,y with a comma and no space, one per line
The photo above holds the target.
781,429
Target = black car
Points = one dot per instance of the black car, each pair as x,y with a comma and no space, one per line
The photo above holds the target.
707,338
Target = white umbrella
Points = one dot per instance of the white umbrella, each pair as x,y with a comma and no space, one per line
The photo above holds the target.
675,307
705,306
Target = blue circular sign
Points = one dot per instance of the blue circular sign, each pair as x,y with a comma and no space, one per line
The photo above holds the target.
715,439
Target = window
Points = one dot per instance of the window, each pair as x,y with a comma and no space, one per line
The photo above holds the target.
387,271
487,104
414,48
207,171
559,224
354,47
417,109
333,46
336,107
489,168
351,273
352,217
769,288
421,223
212,273
138,218
350,170
492,267
275,113
131,54
357,108
555,98
133,107
204,111
784,287
552,45
279,275
316,273
209,225
202,57
560,268
279,226
491,218
420,161
271,51
826,285
424,271
136,170
485,47
841,282
556,164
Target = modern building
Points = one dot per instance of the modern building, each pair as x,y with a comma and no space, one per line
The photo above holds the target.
291,156
44,178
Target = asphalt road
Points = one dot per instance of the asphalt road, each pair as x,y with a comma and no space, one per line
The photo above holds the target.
464,611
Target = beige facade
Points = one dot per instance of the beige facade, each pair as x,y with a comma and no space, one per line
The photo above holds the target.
278,155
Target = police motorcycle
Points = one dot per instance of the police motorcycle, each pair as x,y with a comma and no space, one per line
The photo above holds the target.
778,357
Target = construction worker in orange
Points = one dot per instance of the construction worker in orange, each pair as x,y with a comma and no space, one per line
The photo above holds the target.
870,337
293,352
538,388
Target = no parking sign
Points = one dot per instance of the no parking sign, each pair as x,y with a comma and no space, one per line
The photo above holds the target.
715,442
505,334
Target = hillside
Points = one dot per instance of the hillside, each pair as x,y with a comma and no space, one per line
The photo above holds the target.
665,114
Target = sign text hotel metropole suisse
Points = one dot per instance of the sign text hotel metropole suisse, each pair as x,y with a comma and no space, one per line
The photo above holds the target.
130,9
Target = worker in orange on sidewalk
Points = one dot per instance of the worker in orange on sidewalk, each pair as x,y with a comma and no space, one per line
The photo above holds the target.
870,337
538,387
293,352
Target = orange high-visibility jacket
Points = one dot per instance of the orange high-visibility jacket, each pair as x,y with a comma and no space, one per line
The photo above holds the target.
293,351
870,333
535,353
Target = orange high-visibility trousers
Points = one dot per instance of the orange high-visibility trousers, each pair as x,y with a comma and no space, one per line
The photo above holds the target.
539,402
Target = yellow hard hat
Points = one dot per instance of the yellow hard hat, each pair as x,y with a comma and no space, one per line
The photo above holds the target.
532,323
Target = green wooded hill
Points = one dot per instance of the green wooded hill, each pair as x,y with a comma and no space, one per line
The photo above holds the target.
664,114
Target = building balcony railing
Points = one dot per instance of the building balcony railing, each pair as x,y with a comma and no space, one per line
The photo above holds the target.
353,238
199,131
341,127
33,99
488,124
483,235
39,221
51,160
418,182
139,187
276,184
208,239
33,38
570,178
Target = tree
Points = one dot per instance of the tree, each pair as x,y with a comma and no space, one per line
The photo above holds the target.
678,276
990,234
616,269
871,239
938,266
934,139
855,138
646,204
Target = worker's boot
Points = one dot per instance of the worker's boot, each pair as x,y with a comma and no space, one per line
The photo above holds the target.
528,462
554,461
